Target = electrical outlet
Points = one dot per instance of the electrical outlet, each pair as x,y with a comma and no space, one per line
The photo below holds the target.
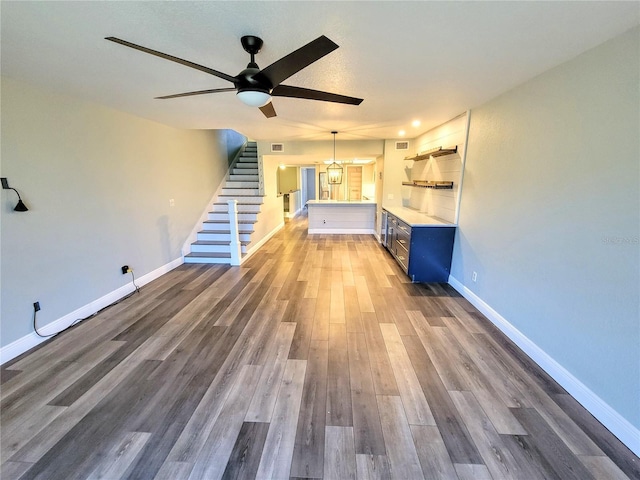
125,269
36,306
474,276
172,202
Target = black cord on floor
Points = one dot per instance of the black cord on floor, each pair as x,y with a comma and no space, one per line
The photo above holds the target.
133,280
35,327
35,312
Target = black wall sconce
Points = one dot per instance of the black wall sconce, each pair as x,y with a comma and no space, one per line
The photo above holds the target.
20,207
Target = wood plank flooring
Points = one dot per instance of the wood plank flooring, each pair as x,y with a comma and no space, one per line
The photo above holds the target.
315,359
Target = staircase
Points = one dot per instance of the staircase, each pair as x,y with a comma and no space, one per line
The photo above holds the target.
213,243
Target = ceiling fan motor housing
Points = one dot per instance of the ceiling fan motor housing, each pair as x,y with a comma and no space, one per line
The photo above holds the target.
246,80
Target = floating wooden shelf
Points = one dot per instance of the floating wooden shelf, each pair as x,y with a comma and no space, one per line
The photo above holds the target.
428,184
419,156
434,152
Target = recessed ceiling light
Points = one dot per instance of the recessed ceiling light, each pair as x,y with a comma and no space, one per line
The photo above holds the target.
401,133
416,123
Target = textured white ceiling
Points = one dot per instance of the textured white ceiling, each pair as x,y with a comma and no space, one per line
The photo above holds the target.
408,60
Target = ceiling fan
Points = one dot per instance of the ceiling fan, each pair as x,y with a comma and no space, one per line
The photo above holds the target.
256,86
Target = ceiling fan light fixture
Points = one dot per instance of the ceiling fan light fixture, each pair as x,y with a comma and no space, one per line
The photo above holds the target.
254,98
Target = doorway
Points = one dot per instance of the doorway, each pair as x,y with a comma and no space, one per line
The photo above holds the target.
308,177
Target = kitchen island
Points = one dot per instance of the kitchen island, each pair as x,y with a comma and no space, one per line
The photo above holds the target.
342,217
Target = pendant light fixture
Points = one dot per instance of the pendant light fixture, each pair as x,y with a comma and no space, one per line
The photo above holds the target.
334,171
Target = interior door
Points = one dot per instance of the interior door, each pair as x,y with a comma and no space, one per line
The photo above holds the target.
354,183
324,186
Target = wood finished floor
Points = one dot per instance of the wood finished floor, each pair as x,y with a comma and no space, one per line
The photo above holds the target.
315,359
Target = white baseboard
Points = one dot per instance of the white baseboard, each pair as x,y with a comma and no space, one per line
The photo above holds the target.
610,418
292,215
342,231
11,351
265,239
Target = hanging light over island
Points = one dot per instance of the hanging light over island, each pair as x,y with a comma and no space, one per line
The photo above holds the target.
334,171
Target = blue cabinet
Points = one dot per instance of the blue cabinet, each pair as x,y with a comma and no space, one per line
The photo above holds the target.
423,252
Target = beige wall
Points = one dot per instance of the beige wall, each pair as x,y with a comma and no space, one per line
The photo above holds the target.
288,179
271,217
98,184
394,173
321,150
315,153
550,217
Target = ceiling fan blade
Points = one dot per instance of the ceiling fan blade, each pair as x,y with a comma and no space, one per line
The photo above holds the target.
199,92
268,110
282,69
187,63
298,92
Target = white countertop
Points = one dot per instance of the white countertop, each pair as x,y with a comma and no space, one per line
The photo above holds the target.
335,203
417,219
